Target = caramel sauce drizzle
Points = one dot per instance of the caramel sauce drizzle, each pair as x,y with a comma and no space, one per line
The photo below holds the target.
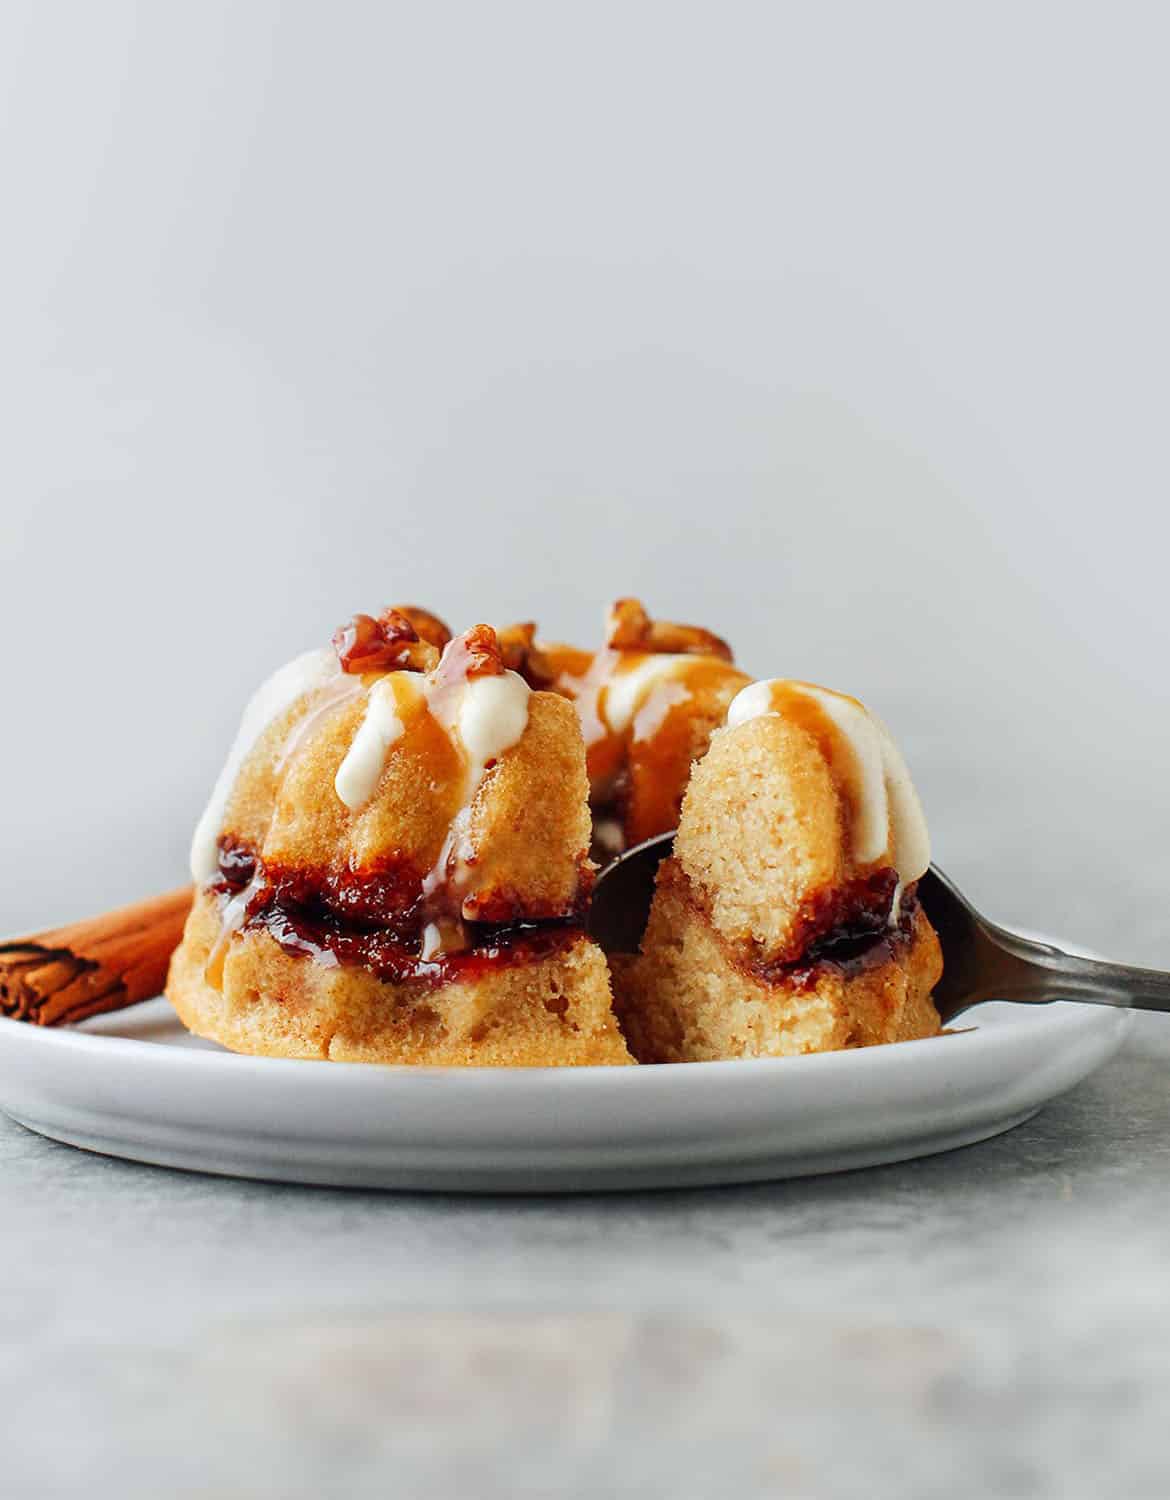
792,702
641,755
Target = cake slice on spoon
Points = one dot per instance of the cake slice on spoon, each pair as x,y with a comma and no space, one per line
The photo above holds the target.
787,919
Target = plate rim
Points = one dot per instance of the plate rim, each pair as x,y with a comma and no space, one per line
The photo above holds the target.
1062,1015
614,1129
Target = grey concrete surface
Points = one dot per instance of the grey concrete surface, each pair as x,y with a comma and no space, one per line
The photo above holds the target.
991,1322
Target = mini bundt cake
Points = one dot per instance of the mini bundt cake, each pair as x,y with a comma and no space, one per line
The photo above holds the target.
648,703
787,920
394,864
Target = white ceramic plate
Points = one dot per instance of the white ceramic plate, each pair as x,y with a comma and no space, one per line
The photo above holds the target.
135,1084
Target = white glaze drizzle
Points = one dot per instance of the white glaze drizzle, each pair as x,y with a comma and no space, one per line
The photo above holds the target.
382,726
617,686
907,819
274,697
230,922
871,815
432,942
624,692
488,715
340,690
751,702
888,819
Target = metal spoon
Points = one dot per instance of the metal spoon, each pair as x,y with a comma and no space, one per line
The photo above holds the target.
982,961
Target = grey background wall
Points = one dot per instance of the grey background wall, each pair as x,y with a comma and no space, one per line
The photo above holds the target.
840,328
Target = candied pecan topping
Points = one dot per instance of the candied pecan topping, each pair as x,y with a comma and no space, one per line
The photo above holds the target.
482,648
396,626
360,645
627,625
475,653
630,628
387,644
521,654
428,626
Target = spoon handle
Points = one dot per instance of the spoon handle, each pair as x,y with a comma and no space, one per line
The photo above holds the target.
1065,976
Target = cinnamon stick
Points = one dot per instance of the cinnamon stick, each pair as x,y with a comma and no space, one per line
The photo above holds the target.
104,963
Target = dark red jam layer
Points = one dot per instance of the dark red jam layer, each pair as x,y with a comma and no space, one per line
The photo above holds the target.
847,927
852,912
398,962
849,949
376,919
847,930
389,895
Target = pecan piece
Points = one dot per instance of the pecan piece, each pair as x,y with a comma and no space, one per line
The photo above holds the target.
521,654
387,644
428,626
475,653
630,628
